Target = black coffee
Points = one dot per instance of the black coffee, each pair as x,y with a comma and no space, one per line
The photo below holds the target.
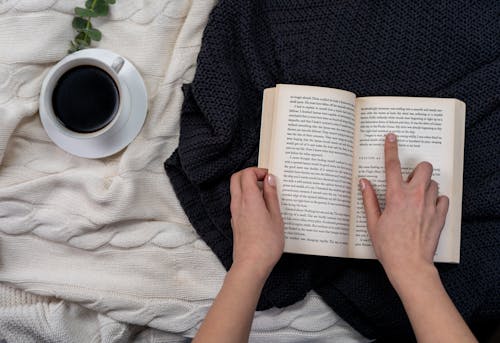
85,99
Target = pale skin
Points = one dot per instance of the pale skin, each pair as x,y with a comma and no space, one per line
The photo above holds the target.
404,237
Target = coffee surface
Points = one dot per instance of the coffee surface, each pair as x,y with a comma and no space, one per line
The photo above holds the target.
85,99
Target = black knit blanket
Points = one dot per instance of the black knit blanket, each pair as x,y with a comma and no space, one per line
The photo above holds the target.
402,48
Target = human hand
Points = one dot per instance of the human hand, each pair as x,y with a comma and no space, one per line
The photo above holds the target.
405,235
256,220
258,243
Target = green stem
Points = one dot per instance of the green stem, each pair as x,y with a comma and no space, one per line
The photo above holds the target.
87,26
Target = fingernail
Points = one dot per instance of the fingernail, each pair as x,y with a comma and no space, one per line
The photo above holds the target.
271,180
391,137
362,185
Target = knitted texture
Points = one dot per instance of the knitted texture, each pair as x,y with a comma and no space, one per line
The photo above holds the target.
406,48
10,297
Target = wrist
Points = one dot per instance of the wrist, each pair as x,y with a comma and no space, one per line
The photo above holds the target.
406,280
255,271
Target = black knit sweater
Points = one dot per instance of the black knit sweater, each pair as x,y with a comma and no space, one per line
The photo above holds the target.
407,48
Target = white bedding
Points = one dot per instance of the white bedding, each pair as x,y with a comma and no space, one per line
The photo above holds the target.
109,235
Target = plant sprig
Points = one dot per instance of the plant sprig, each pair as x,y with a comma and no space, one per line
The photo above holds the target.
81,23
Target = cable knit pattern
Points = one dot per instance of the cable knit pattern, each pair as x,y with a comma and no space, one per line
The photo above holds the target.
407,48
56,321
39,183
110,234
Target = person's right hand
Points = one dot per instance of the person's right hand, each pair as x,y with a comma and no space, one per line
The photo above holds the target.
405,235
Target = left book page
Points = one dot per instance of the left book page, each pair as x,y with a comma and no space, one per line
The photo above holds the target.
307,140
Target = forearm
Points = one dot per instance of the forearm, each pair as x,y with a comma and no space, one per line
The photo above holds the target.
231,315
432,314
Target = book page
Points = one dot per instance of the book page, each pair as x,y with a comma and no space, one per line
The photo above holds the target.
266,127
311,156
426,130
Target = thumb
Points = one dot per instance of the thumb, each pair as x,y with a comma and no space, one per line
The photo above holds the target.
370,201
271,196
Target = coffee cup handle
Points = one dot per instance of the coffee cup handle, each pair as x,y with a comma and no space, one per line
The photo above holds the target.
117,64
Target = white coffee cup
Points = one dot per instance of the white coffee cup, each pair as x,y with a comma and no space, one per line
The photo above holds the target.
128,118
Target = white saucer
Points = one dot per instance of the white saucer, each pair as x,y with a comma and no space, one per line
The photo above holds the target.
121,131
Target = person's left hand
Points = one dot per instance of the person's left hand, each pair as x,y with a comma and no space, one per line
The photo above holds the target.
256,220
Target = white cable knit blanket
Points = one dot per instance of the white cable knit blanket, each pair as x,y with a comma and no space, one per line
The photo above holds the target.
109,234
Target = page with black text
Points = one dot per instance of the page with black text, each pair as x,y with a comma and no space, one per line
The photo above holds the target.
428,129
311,156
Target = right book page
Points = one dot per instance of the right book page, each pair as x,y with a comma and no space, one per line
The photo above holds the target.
428,129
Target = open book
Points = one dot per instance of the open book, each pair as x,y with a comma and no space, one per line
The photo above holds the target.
319,142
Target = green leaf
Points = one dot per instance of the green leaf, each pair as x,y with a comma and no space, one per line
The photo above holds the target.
94,34
79,23
110,2
88,4
82,44
83,38
72,48
82,35
85,12
101,8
